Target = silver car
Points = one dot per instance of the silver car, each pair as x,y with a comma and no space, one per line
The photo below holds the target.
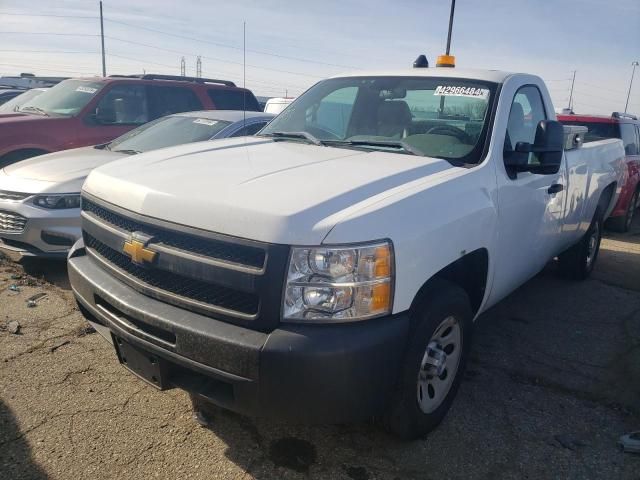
40,197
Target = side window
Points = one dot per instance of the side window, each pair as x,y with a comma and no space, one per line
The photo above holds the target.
628,135
124,104
333,112
168,100
249,129
229,99
527,110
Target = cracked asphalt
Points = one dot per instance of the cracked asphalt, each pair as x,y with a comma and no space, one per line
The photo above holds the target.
553,381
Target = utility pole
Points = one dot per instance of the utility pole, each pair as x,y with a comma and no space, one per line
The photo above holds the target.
104,64
573,82
199,67
626,105
183,67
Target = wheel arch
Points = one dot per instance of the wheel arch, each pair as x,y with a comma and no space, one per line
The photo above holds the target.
470,272
606,203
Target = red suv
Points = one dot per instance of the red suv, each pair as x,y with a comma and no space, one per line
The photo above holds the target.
627,128
89,111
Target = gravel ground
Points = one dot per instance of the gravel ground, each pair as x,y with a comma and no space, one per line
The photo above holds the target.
553,381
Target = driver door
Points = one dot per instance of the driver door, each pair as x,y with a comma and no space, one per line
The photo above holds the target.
530,205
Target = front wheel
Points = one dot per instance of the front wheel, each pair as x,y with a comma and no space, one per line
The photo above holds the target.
578,262
434,362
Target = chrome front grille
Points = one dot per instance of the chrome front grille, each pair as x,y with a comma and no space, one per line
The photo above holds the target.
225,251
13,196
11,222
228,278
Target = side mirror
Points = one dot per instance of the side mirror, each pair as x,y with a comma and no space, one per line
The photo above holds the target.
547,148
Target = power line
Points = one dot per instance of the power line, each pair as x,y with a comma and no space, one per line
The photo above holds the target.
151,62
595,96
185,37
599,87
211,58
93,17
234,47
48,51
51,33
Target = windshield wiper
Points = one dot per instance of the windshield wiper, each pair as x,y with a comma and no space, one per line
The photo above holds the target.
29,108
128,152
303,135
399,144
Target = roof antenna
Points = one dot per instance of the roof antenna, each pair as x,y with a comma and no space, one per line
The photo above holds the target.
448,60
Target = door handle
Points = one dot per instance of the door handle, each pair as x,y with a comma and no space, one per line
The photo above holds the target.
555,188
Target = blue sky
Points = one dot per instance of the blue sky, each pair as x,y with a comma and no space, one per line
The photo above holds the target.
291,45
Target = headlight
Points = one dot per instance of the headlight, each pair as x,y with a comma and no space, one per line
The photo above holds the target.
58,201
332,284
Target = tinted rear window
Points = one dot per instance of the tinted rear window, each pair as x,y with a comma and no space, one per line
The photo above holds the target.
168,100
597,130
228,99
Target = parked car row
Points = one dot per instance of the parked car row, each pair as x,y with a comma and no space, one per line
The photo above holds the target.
89,111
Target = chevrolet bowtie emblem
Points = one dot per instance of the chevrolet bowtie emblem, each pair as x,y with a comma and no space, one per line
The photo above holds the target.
138,251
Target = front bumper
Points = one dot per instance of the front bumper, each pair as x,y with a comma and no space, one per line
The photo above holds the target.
297,373
47,233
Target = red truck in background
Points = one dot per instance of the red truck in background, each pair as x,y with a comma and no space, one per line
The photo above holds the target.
89,111
627,128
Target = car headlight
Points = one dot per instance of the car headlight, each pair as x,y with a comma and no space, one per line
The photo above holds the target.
58,201
337,284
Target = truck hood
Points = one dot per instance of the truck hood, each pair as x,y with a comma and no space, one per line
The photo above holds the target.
278,192
59,172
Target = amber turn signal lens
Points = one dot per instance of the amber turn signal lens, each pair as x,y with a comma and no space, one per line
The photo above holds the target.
381,298
383,262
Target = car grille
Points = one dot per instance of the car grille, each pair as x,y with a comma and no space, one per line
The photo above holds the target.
230,279
230,252
13,196
11,222
177,284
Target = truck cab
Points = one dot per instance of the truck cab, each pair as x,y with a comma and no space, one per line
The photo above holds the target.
330,269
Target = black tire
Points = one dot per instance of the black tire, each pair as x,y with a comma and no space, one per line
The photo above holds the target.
404,417
623,223
578,262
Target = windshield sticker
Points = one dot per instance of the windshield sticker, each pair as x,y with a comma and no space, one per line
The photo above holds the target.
86,90
205,121
453,91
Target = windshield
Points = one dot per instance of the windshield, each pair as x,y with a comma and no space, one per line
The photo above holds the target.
67,98
167,132
438,117
12,105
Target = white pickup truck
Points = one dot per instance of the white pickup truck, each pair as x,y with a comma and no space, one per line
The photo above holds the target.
331,268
